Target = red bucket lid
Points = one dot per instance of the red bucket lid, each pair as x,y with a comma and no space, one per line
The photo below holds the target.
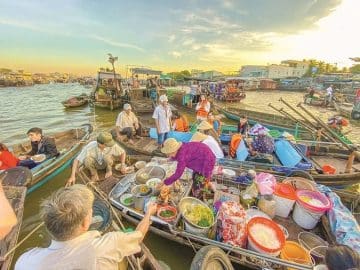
285,190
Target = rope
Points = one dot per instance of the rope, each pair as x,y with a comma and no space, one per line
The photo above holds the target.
191,244
22,241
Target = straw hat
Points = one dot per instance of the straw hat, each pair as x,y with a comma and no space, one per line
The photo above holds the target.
204,125
170,146
106,139
198,137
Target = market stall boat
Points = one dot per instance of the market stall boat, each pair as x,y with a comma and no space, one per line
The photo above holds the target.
107,91
16,198
68,143
143,260
175,230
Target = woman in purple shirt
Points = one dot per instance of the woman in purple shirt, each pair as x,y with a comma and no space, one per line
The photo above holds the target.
193,155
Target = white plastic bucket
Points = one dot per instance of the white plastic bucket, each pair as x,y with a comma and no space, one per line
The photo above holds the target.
252,246
283,206
306,218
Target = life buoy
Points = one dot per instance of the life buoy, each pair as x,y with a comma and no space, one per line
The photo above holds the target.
211,257
201,112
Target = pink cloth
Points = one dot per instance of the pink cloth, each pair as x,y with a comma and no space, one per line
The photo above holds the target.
195,156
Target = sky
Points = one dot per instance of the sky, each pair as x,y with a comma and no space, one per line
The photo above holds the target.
76,35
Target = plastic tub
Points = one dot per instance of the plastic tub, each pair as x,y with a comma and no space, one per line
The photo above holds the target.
253,244
189,226
285,198
302,197
293,252
170,208
328,169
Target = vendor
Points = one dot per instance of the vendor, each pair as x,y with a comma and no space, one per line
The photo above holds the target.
193,155
215,122
202,108
243,125
210,142
206,128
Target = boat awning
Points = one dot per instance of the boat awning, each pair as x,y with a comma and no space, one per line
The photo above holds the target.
165,77
108,75
145,71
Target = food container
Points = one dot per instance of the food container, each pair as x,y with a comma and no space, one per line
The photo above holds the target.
152,183
140,164
293,252
306,213
228,173
261,241
164,213
127,199
38,158
285,197
314,244
149,172
184,206
141,193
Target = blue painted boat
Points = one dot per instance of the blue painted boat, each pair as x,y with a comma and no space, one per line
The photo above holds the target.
69,143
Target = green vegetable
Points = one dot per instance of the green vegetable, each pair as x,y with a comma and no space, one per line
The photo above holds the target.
203,223
128,201
167,213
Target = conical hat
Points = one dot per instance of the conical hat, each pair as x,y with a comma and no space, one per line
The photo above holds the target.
198,137
204,125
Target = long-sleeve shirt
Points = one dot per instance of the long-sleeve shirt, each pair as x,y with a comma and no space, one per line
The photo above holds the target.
125,120
45,146
195,156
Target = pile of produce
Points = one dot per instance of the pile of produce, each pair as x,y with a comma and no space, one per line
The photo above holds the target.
199,215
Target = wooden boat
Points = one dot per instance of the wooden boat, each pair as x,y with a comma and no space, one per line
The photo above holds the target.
348,110
174,230
69,143
76,101
106,94
144,260
16,197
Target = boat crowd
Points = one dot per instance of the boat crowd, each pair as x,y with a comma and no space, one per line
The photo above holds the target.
251,210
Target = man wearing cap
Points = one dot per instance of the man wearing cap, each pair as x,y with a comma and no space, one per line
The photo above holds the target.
210,142
195,156
162,115
127,123
98,155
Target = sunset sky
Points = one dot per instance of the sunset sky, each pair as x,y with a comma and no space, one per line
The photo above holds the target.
75,36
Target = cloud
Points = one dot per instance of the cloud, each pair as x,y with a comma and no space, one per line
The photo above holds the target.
175,54
116,43
171,38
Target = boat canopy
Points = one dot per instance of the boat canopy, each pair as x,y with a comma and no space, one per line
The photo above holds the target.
107,75
146,71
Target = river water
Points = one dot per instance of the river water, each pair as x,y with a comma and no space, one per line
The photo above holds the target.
40,105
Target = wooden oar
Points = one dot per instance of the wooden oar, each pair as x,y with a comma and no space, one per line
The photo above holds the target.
286,114
330,138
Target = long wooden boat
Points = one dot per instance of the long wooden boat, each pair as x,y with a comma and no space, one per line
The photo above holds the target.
77,101
174,231
16,197
145,259
348,110
277,122
69,143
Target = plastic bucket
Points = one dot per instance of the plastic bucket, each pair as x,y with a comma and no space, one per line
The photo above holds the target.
304,196
305,218
293,252
328,169
285,198
254,245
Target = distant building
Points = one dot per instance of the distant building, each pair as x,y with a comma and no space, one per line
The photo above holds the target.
207,75
279,71
288,68
299,67
195,72
254,71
